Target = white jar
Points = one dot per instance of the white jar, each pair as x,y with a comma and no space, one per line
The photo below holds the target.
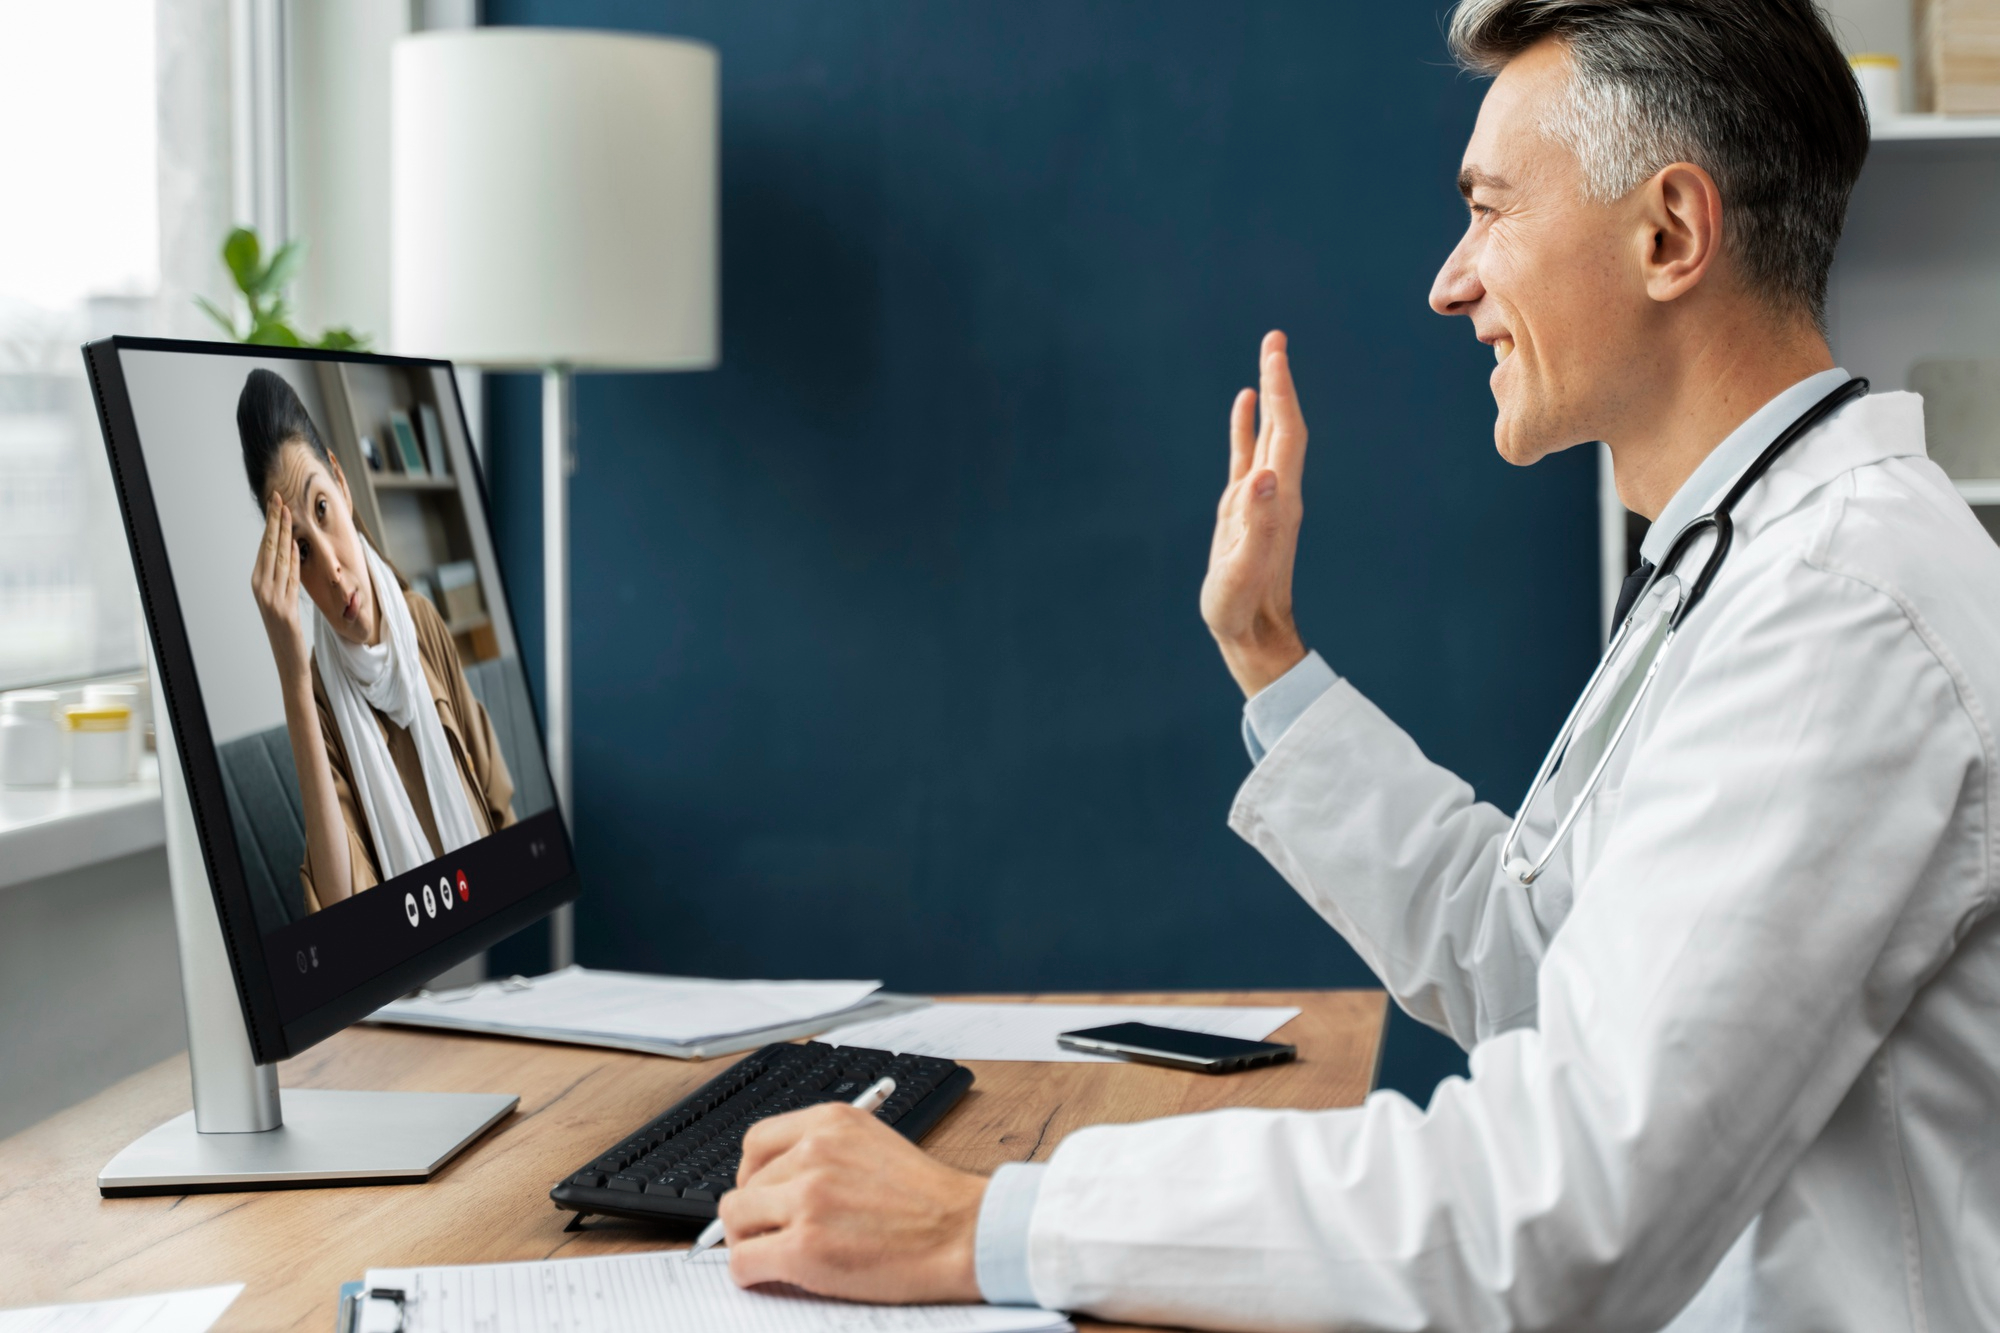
100,744
30,739
103,695
1881,80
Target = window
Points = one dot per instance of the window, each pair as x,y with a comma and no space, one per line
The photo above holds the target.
79,259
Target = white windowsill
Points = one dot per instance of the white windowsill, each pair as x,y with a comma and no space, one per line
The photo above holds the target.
45,831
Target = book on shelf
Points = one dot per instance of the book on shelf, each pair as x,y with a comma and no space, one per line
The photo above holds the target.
458,592
435,452
1958,56
407,449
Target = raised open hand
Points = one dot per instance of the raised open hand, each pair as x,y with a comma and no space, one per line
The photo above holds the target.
1247,597
274,582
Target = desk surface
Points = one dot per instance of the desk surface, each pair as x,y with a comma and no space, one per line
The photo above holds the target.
59,1241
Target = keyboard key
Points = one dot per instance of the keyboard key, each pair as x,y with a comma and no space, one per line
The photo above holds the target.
630,1183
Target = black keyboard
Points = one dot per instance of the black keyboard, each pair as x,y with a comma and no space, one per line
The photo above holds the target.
678,1164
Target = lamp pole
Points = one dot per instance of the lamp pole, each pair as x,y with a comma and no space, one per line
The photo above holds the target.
558,460
554,208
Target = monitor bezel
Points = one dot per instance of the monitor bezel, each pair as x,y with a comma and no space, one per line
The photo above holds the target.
271,1038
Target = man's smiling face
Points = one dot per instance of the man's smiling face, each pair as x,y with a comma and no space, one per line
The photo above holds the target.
1551,280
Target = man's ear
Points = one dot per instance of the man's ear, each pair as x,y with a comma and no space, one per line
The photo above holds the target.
1681,211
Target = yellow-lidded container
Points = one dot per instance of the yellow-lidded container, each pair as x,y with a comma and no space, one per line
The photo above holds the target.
100,747
1880,76
109,718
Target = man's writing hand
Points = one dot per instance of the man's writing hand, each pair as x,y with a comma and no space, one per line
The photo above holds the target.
1247,597
832,1200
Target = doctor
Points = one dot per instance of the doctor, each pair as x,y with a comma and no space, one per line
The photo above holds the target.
1735,1031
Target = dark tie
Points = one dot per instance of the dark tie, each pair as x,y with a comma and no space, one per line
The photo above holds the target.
1628,592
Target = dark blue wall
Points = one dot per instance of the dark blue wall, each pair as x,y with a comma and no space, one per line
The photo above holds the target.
888,658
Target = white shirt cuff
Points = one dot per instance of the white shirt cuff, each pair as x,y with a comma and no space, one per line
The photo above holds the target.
1269,713
1000,1248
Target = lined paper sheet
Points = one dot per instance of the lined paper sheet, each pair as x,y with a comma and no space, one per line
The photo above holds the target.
661,1292
1028,1031
170,1312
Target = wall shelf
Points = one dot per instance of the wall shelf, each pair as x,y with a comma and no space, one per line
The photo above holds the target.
1938,129
48,830
403,481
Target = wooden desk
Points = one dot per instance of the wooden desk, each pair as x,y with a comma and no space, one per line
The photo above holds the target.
59,1241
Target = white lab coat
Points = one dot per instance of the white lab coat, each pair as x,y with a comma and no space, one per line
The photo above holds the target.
1740,1044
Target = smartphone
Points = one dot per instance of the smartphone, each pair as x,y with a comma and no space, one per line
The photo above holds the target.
1177,1047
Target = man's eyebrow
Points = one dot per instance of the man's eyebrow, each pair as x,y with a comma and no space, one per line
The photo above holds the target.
1470,178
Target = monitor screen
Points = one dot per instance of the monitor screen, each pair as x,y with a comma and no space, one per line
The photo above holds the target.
351,706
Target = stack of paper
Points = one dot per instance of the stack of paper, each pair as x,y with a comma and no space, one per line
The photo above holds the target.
687,1017
662,1292
1028,1031
174,1312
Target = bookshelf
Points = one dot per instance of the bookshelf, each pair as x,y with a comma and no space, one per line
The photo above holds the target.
418,512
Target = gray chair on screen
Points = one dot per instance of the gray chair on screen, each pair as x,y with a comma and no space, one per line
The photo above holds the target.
265,810
500,686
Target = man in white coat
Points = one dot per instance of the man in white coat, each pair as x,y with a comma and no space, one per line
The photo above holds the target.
1736,1049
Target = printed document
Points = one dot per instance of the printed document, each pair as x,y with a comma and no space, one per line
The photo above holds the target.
172,1312
1028,1031
663,1015
661,1292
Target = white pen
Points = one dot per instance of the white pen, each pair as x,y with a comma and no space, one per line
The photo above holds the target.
881,1090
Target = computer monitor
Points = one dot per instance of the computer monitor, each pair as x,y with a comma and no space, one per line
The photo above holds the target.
336,659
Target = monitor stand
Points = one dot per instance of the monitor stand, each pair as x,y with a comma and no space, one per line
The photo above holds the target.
239,1136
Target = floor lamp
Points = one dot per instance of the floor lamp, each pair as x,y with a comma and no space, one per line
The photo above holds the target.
553,208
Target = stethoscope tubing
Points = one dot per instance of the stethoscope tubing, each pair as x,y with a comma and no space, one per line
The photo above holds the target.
1719,522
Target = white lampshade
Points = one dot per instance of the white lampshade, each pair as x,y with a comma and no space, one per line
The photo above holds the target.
553,199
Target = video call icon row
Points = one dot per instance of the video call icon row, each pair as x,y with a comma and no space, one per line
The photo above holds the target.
432,898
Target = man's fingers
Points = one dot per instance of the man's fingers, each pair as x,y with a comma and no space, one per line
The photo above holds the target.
751,1210
771,1256
1242,434
771,1139
767,1141
1272,346
1284,423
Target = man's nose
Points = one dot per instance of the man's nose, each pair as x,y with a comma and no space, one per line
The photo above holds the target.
1456,289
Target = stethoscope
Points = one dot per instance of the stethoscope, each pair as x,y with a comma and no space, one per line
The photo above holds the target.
1716,520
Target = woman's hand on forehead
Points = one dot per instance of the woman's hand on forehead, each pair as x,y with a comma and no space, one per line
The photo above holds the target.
280,504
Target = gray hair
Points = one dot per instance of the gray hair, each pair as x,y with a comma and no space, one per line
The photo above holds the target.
1755,92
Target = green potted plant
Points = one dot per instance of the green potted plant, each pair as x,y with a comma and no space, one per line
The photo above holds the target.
263,284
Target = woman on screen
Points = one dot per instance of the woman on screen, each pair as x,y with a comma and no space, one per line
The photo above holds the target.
397,760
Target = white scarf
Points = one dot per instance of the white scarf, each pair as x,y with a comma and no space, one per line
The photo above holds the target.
390,677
